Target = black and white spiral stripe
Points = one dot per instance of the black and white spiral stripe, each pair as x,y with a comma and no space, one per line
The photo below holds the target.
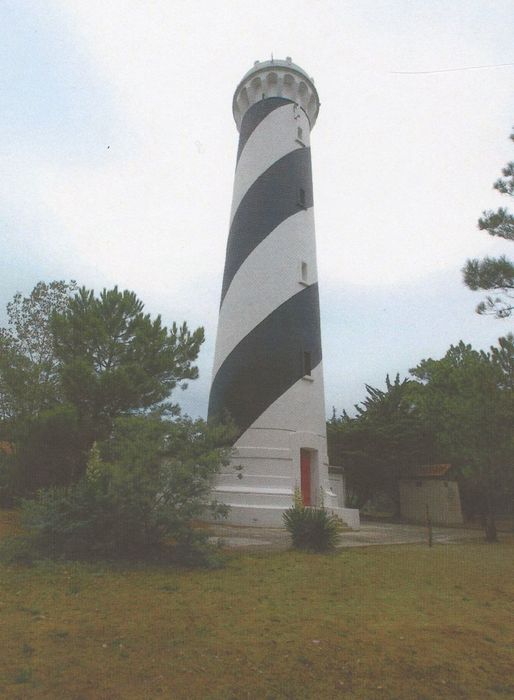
269,317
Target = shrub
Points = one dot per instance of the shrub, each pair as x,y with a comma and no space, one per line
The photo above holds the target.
139,504
18,549
312,528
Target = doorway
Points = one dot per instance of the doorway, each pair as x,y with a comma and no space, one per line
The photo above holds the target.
305,476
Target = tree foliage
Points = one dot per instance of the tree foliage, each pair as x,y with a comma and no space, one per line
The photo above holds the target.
29,380
495,273
113,469
33,416
115,360
70,365
458,410
383,441
49,449
467,397
503,358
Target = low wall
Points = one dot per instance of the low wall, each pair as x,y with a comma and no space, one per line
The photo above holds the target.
350,516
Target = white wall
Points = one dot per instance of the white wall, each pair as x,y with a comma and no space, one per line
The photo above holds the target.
442,498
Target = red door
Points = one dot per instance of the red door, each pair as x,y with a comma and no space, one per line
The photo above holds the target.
305,471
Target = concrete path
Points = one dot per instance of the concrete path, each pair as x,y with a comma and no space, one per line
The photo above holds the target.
235,537
399,533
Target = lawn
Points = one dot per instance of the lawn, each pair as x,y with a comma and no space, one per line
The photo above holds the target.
404,622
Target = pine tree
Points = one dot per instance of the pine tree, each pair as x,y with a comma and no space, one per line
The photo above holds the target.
495,273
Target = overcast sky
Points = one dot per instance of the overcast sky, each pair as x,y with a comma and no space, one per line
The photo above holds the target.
118,151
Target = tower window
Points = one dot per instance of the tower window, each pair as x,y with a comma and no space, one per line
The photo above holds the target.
301,197
304,272
307,363
300,133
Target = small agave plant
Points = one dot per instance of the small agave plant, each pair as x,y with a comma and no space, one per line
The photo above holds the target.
311,528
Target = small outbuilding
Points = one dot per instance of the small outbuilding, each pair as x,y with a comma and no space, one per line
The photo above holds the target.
431,489
6,448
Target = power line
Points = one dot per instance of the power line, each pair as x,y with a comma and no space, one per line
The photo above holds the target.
448,70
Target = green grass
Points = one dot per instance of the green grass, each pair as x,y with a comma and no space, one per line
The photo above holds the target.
403,622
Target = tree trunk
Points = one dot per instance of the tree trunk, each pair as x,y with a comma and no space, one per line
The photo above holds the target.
491,534
490,529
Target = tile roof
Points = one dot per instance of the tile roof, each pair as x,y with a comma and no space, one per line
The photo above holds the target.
428,470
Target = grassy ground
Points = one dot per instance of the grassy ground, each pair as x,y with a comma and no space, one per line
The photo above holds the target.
9,523
403,622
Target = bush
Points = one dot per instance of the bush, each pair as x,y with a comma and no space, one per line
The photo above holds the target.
140,504
313,529
17,550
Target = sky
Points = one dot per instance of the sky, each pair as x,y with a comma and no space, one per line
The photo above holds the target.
118,152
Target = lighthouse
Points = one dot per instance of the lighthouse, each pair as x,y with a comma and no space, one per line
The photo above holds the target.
268,373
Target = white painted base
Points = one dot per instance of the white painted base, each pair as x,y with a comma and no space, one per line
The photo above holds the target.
262,516
255,516
260,483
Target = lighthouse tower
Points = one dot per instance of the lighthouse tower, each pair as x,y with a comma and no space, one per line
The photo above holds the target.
267,371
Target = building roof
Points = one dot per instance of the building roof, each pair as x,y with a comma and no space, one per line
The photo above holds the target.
6,447
431,470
